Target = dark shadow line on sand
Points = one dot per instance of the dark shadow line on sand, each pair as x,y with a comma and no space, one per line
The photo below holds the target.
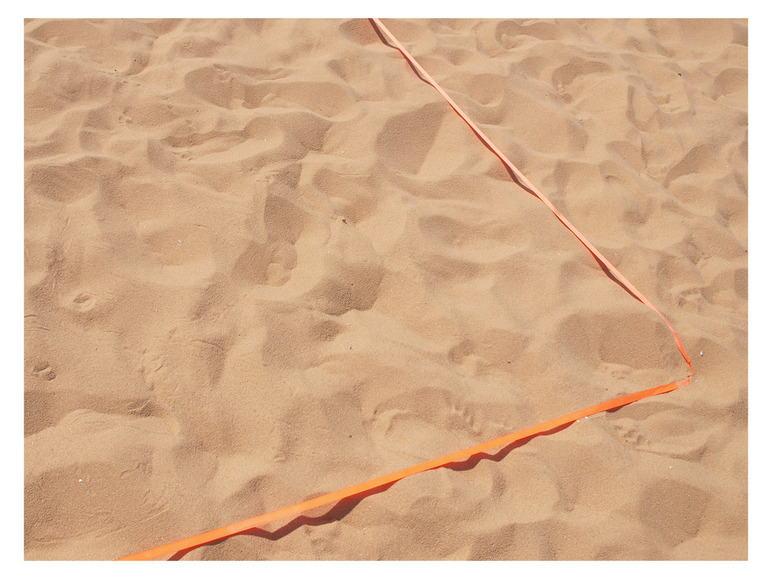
614,278
342,508
390,45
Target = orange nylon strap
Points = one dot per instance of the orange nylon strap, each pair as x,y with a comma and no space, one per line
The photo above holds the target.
375,483
544,427
526,184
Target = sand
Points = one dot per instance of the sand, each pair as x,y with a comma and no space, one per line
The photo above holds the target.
264,261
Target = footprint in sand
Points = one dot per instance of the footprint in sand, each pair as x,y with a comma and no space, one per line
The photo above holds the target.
44,370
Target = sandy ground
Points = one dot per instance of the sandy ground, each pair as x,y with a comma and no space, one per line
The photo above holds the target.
264,261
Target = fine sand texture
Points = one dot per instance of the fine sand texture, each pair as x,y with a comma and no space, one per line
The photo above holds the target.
264,261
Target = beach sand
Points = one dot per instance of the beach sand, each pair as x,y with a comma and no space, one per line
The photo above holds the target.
265,261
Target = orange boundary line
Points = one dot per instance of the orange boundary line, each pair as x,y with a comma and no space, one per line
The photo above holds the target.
333,497
531,188
544,427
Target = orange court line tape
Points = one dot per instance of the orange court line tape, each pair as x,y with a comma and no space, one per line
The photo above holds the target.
375,483
544,427
526,184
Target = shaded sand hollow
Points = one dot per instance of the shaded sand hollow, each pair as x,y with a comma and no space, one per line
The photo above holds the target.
264,261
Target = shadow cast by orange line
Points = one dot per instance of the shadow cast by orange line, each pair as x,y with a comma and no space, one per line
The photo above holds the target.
499,455
336,513
344,507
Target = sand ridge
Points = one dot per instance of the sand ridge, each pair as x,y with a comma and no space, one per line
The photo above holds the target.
263,261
